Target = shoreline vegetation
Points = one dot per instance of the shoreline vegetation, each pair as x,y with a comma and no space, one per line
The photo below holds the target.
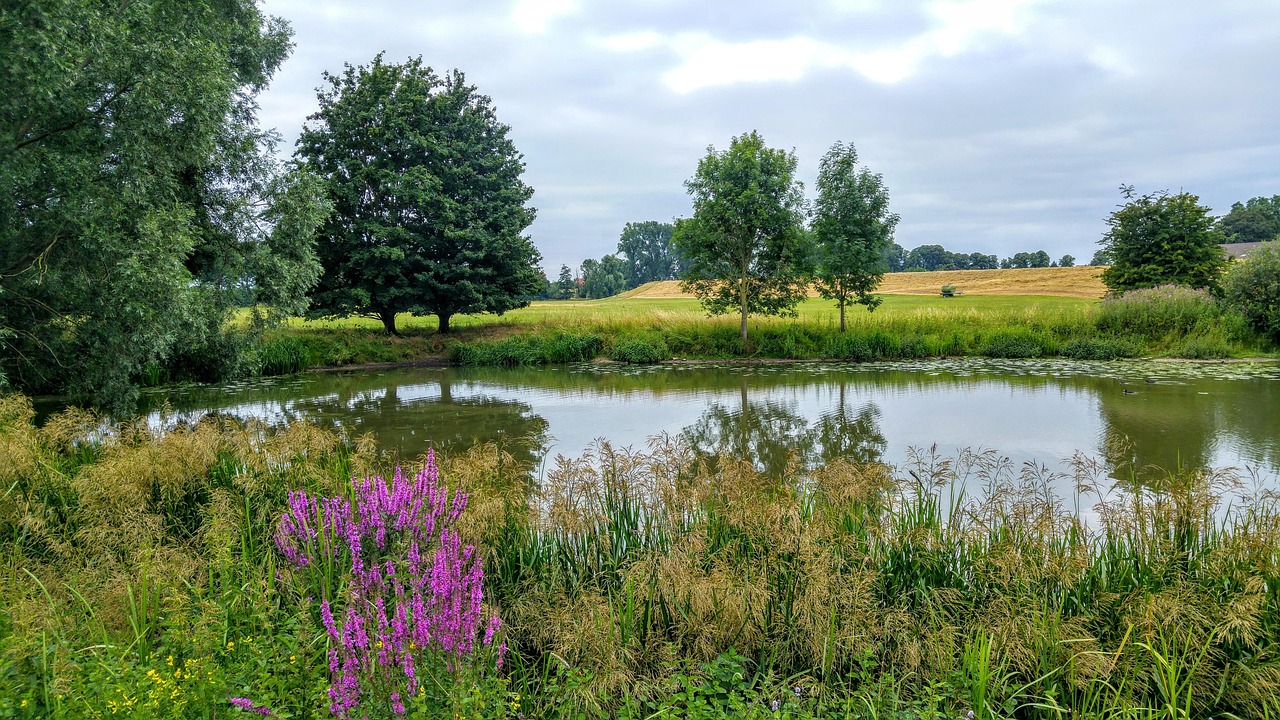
655,323
173,575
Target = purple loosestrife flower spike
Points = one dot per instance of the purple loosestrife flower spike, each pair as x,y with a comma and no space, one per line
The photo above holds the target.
415,592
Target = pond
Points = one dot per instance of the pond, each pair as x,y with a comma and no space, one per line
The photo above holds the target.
1167,414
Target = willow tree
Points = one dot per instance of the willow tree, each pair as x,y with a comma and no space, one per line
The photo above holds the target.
745,243
853,229
140,198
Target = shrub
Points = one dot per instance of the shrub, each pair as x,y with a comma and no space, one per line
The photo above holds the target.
1099,349
1015,344
1157,312
1252,288
639,350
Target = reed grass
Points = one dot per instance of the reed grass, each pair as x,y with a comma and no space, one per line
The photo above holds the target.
137,579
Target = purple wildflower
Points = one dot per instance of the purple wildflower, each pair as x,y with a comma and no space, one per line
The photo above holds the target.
415,591
249,706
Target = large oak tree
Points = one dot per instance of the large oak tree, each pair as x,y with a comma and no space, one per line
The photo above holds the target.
429,207
745,244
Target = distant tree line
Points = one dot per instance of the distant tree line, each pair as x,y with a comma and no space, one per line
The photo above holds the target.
936,257
1257,220
645,254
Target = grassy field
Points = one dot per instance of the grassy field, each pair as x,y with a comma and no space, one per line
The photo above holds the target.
655,310
1078,282
654,322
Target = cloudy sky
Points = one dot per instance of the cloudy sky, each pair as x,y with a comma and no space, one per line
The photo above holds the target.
999,125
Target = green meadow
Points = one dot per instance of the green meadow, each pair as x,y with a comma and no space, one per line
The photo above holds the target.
903,327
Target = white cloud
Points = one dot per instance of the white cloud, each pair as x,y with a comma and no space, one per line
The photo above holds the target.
708,62
958,27
533,16
631,42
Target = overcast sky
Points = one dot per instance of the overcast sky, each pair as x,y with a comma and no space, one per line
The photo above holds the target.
999,125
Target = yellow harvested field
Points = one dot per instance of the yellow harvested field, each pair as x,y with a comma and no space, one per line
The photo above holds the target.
1079,282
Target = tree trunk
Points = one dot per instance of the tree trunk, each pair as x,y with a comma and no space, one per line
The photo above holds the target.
388,318
841,314
444,322
742,298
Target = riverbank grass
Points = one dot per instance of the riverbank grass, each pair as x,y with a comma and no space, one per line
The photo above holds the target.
1163,322
150,575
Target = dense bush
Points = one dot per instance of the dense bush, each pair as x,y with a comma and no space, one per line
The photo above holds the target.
1157,312
1013,344
1252,288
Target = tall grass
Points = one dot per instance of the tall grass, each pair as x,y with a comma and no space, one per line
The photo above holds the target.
139,578
1163,322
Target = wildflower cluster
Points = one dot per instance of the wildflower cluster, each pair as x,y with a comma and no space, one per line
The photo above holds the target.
414,592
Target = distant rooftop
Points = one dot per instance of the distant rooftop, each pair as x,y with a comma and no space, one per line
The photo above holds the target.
1242,250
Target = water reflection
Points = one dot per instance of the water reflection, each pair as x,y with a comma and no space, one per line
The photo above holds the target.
769,431
1040,411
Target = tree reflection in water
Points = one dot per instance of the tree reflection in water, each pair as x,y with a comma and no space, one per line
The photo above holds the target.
768,432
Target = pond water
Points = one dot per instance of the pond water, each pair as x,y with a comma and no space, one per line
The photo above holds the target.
1170,414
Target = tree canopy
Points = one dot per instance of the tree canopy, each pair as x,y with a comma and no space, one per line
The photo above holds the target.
646,250
1158,239
603,278
936,257
1257,220
744,242
139,192
429,207
1037,259
853,230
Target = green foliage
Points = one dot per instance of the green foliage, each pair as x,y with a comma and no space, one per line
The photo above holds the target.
1252,288
1162,239
1067,261
283,354
521,350
1098,348
1013,344
640,349
1257,220
603,278
429,207
936,257
564,288
744,242
1157,312
948,291
140,195
141,581
853,230
648,254
1037,259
